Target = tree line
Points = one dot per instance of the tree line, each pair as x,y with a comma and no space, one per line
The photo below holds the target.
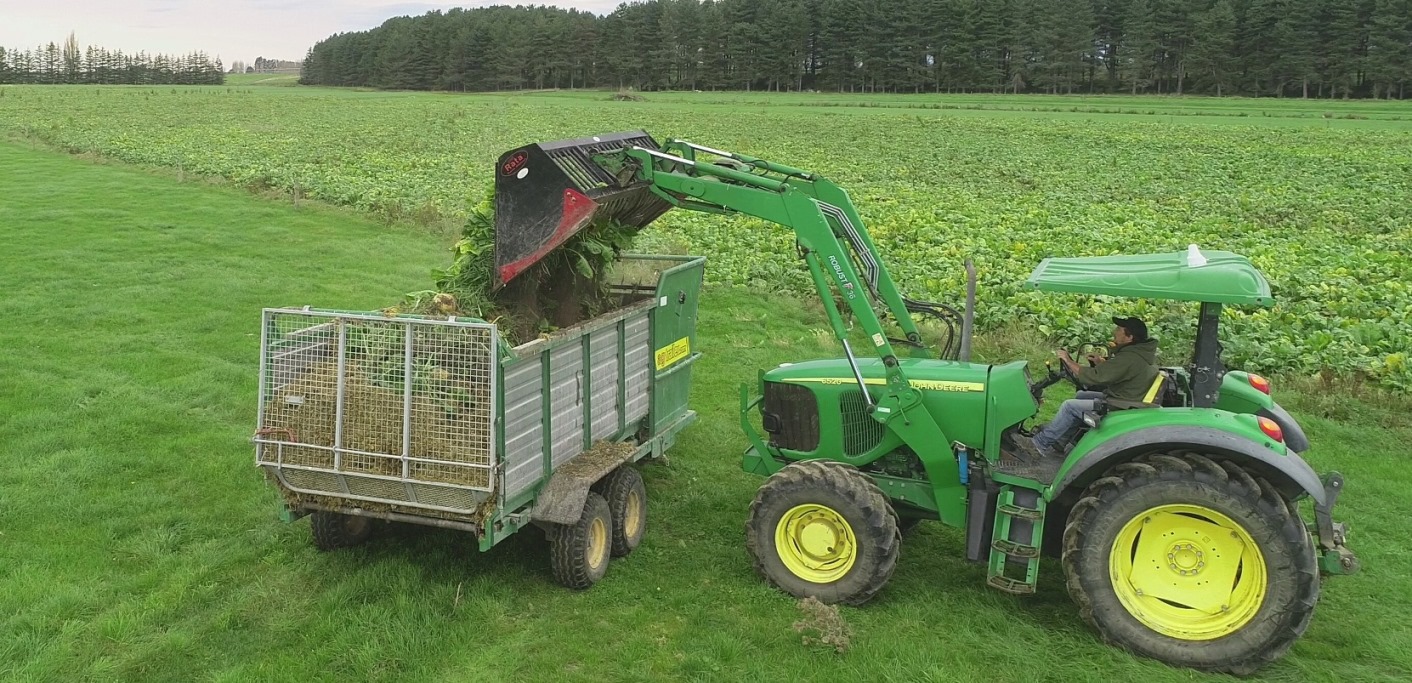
1307,48
69,63
263,66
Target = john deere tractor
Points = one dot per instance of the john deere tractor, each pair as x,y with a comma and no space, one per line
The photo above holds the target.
1175,519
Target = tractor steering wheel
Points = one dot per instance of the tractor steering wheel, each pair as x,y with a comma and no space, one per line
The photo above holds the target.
1068,374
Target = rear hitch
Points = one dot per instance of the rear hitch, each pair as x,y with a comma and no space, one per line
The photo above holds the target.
1334,556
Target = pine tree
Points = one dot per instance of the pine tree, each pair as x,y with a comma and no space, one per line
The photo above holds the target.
1212,56
1390,48
1309,47
1137,50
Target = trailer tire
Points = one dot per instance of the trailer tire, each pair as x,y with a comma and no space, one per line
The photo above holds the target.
627,503
579,552
823,530
333,530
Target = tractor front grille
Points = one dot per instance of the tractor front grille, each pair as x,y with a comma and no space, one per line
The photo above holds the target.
791,417
861,433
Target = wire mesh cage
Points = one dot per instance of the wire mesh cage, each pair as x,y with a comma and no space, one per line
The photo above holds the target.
391,409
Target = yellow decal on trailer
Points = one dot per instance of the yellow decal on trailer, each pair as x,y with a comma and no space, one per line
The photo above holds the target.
673,352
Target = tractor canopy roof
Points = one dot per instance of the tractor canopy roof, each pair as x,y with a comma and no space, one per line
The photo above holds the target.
1193,275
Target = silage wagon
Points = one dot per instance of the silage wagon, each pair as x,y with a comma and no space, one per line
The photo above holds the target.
438,421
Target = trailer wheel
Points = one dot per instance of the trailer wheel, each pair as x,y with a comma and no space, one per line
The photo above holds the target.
1190,561
578,553
823,530
334,530
627,503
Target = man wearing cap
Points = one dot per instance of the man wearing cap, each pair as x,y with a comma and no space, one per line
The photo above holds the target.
1125,376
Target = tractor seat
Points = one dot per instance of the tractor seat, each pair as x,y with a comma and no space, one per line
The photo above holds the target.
1157,395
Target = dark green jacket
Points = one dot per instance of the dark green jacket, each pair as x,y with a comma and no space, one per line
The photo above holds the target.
1128,374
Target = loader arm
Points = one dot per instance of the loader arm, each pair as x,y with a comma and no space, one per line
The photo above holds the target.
848,226
825,225
547,192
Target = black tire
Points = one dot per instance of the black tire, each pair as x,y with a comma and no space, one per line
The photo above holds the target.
627,503
579,552
847,494
333,530
1133,490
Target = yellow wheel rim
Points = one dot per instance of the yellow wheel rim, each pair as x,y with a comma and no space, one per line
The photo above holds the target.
632,515
1188,572
815,543
597,543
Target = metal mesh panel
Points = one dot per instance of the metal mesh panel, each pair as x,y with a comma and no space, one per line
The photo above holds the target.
366,406
861,433
638,275
792,415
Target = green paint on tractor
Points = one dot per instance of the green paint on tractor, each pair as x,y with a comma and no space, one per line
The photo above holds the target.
857,448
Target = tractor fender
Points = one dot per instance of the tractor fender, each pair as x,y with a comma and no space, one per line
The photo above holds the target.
1287,472
1295,439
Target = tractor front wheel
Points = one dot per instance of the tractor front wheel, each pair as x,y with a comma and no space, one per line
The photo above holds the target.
823,530
1191,561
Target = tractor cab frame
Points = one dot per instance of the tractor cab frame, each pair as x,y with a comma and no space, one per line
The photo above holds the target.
1213,279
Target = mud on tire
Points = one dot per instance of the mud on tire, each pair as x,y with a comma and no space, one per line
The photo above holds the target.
579,552
627,504
850,494
1184,478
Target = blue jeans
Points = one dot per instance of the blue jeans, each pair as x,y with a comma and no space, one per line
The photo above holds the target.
1066,423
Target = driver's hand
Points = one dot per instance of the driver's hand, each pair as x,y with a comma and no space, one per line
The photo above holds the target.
1095,359
1064,355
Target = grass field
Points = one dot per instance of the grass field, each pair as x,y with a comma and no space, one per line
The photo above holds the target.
1320,204
262,80
138,542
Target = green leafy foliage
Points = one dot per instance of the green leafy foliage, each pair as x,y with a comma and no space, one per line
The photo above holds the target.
572,280
1315,193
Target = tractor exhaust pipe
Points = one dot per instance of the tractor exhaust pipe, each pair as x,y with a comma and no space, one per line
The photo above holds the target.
968,320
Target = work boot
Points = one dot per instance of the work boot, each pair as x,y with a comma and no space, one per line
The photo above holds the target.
1027,449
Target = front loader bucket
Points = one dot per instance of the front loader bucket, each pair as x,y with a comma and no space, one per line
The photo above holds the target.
547,192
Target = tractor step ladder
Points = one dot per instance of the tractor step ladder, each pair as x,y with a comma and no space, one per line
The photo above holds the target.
1019,530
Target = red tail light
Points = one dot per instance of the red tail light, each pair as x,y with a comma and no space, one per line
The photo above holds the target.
1271,429
1261,384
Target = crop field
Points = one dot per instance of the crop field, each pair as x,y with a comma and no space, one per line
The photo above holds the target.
138,542
1317,193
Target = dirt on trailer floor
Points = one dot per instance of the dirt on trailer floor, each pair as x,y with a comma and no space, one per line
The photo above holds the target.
306,501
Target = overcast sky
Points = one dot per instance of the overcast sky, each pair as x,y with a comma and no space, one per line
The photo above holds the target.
231,29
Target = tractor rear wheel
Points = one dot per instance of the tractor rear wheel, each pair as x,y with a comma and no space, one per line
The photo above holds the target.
823,530
907,525
1191,561
333,530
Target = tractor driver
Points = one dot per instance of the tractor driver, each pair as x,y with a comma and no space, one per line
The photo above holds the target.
1125,376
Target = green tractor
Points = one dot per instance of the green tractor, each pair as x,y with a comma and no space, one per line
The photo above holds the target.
1175,519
